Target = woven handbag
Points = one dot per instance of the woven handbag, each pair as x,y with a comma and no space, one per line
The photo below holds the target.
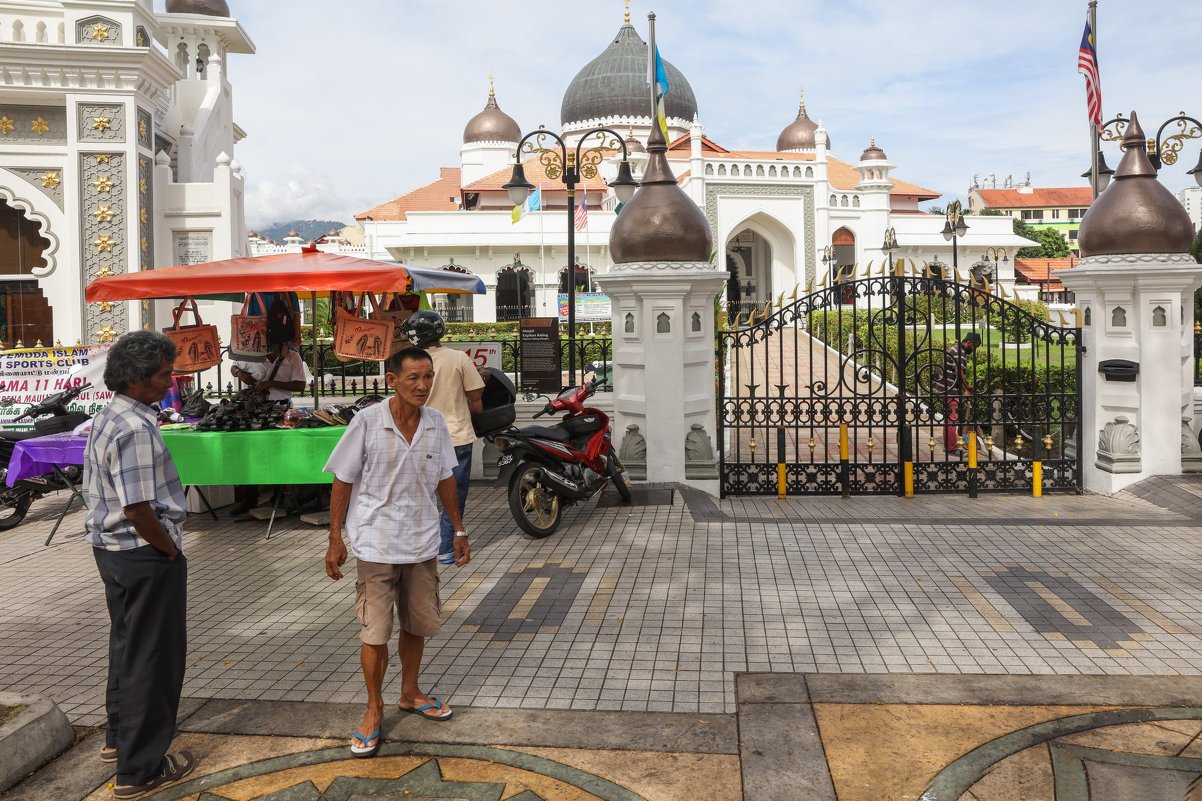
357,337
197,346
389,307
248,332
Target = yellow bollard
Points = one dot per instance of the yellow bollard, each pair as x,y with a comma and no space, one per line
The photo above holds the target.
843,442
1037,479
844,462
908,477
972,464
781,470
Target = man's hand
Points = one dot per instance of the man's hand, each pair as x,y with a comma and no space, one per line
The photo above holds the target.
336,557
263,386
463,551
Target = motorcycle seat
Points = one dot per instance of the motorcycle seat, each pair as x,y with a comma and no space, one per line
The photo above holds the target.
557,434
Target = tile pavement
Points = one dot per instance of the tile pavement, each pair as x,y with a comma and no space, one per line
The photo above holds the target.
655,608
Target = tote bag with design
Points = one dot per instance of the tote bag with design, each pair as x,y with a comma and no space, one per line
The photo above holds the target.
358,337
248,332
197,346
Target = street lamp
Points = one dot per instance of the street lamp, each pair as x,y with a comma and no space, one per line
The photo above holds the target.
1162,149
993,254
954,227
890,245
568,166
1104,173
828,260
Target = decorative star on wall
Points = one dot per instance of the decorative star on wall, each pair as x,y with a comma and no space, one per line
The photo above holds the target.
106,305
40,126
142,128
103,214
6,126
145,244
105,334
104,243
105,272
100,32
142,185
103,158
143,216
102,123
103,183
51,179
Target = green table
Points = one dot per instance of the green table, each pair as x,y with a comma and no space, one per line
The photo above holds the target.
277,457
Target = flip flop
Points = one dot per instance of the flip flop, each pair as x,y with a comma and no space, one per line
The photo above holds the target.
421,710
366,750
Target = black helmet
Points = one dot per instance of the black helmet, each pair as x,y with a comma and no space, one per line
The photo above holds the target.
423,327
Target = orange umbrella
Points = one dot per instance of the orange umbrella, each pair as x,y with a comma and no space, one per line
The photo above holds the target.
310,271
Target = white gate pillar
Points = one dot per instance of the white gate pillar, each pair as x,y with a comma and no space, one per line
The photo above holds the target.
1136,284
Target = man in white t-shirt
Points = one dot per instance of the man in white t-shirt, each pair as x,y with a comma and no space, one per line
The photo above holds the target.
279,382
393,464
456,393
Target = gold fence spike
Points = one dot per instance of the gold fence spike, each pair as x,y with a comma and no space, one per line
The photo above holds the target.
810,286
1063,321
868,269
38,344
1001,289
767,309
1077,317
793,296
780,301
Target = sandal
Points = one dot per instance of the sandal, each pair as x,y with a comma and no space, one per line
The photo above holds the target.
175,768
367,750
108,753
443,713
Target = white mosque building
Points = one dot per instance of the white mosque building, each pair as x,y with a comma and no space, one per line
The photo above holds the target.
116,155
773,212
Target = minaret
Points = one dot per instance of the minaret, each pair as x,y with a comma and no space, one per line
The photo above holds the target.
489,140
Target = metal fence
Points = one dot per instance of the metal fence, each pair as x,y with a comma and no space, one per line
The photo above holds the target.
352,379
1198,354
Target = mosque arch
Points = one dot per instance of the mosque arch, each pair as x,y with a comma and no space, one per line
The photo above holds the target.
515,292
34,213
809,172
18,31
40,33
25,314
763,252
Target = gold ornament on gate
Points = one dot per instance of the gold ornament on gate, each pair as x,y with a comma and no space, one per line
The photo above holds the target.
1047,442
813,444
989,443
1019,441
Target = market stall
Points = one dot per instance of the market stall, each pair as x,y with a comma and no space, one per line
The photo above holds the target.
274,456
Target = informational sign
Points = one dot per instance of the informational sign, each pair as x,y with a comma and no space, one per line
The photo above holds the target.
484,354
591,307
31,375
539,355
193,247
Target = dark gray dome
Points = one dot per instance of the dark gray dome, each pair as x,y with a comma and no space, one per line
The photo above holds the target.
491,125
873,153
614,84
210,8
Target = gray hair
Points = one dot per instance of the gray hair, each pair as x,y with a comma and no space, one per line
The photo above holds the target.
136,357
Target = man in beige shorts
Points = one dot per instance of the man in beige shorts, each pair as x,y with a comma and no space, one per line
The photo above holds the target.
393,464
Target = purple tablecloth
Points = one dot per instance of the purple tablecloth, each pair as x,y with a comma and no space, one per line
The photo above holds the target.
36,457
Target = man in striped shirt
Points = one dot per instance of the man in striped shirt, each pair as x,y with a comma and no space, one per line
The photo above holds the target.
951,382
393,465
135,520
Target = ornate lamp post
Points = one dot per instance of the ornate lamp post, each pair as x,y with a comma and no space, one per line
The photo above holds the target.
954,227
829,259
1162,149
995,255
569,167
890,245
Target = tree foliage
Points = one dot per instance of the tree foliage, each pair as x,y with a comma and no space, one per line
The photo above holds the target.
1052,244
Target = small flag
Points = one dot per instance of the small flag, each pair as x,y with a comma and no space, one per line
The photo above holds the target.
535,201
1087,65
518,212
582,211
661,89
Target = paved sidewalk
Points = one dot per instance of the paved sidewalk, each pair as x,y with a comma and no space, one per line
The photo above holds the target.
656,608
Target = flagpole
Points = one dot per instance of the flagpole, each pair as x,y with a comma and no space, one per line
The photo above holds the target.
1096,135
542,262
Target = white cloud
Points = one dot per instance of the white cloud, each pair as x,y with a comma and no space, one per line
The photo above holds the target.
302,194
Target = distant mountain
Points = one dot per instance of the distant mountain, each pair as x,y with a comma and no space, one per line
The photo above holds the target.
308,229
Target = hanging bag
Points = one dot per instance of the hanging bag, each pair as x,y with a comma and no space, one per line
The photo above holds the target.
384,311
360,338
248,332
196,346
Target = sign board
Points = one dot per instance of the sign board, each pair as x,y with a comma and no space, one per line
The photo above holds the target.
540,359
591,307
193,247
484,354
31,375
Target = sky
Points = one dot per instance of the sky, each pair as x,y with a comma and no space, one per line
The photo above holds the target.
352,103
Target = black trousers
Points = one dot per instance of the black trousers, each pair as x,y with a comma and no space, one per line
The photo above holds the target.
147,597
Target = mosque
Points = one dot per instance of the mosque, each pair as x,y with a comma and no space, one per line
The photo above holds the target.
773,212
117,142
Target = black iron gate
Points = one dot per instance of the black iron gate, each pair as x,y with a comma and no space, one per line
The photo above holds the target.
857,388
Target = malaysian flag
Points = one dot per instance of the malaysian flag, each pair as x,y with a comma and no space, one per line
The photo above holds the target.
1087,65
582,211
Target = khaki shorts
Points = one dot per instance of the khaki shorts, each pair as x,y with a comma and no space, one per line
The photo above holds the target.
412,589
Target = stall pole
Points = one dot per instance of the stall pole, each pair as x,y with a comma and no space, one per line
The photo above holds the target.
313,358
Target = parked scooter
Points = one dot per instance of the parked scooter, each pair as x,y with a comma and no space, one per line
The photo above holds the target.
547,469
15,501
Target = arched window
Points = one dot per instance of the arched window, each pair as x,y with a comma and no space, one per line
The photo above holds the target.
722,169
515,292
18,31
454,308
855,201
809,172
25,315
772,171
202,60
709,169
181,57
41,33
584,279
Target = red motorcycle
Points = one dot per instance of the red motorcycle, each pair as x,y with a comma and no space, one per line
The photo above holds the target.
548,469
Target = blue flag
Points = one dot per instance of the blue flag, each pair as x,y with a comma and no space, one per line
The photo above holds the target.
535,201
661,89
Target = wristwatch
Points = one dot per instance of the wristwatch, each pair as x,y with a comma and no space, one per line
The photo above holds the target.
460,533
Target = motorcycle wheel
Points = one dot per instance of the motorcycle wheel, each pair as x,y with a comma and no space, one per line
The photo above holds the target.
617,474
14,505
536,509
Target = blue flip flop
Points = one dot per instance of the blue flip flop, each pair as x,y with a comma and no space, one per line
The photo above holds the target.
366,751
420,710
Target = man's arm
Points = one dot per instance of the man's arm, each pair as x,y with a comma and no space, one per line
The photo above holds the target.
149,528
474,402
340,502
290,386
448,493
